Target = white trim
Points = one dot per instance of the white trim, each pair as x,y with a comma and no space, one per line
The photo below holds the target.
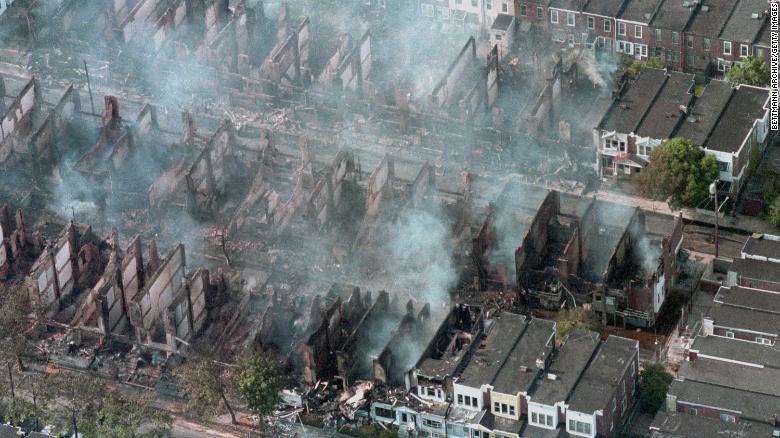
709,407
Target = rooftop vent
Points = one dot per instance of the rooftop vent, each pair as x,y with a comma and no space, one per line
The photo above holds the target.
705,8
754,15
551,376
523,369
686,4
776,433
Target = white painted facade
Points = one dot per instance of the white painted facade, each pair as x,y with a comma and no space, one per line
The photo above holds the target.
543,416
466,397
581,424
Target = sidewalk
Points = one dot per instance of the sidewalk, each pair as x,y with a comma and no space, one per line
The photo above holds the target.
738,222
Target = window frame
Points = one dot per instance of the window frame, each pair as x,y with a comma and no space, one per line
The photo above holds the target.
607,26
591,22
727,44
638,31
621,28
744,50
554,11
571,17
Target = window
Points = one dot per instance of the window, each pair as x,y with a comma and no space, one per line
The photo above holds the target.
621,28
641,49
504,6
427,10
542,419
498,37
474,3
658,35
591,23
638,31
724,167
553,16
727,47
444,12
607,26
431,423
384,413
558,36
764,341
729,334
488,4
707,44
728,418
539,12
675,38
571,39
496,407
689,41
693,411
431,392
743,50
523,10
460,399
570,19
758,52
644,149
579,426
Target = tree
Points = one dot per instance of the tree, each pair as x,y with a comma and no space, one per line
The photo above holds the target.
753,71
258,383
654,382
773,215
569,320
14,307
125,415
678,171
79,400
206,386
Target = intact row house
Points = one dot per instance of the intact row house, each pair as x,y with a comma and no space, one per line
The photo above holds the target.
514,380
730,123
696,36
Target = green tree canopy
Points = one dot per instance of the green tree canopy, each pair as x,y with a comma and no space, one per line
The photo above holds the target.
569,320
773,213
78,401
132,416
258,383
678,171
206,385
753,71
654,382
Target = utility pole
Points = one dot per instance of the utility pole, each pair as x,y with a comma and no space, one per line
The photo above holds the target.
714,192
89,87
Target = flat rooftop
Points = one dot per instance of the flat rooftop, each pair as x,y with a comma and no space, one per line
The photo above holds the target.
710,22
567,367
505,331
763,246
674,15
745,319
626,114
758,407
599,382
683,425
744,108
764,381
705,114
749,298
734,349
741,26
520,371
756,269
664,117
640,11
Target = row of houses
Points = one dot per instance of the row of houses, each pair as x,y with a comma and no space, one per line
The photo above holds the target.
513,378
700,36
727,122
728,384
